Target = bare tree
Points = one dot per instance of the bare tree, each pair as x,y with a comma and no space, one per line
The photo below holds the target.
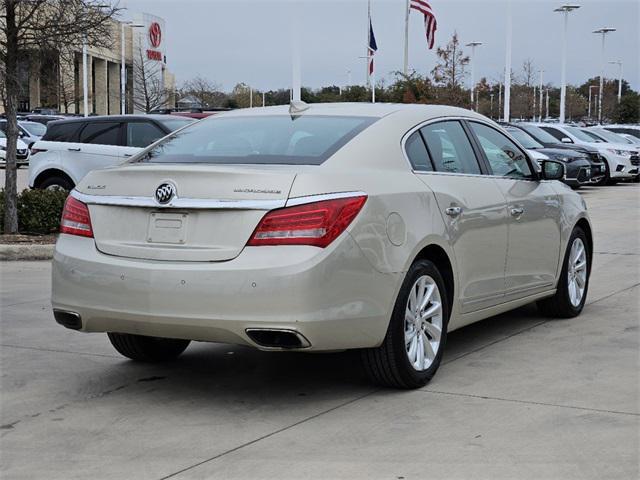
449,73
208,93
41,25
148,84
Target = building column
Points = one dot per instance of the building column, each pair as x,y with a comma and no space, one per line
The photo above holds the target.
100,86
114,88
34,81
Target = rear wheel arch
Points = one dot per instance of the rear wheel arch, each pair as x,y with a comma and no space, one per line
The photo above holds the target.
441,260
51,173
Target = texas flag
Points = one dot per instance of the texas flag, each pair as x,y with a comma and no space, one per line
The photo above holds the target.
373,47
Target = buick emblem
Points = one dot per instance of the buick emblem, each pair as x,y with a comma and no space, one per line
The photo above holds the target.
165,193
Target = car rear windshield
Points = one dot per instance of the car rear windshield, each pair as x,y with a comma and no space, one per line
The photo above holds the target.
268,139
539,134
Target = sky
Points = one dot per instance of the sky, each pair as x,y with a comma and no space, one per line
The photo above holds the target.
250,41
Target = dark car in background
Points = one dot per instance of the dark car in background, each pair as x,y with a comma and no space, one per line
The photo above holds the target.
547,140
576,164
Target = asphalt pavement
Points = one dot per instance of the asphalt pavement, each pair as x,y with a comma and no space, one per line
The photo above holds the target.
518,396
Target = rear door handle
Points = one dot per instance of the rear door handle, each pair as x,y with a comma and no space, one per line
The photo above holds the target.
127,155
77,149
517,211
453,211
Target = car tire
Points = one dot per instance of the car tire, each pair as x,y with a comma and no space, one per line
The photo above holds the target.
147,349
52,183
574,275
392,364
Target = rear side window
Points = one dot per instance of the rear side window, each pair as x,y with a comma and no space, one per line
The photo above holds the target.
101,133
556,133
142,134
62,132
417,153
264,139
450,148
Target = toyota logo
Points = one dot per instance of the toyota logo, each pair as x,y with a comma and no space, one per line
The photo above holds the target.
155,34
165,193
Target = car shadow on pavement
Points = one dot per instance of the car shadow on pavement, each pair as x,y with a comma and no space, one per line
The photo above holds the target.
207,371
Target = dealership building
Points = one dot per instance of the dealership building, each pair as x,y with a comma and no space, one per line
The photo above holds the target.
51,80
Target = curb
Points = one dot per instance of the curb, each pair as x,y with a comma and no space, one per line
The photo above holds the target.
26,252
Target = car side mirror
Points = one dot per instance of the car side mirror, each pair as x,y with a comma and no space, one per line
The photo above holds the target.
551,170
566,140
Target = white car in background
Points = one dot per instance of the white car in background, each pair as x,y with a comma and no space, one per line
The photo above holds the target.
328,227
22,151
617,157
71,148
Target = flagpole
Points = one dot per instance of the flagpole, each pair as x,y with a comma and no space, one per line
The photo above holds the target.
368,54
507,69
405,68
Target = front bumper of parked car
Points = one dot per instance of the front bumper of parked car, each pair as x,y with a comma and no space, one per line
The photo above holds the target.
332,297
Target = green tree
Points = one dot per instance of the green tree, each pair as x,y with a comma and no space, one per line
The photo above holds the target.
449,73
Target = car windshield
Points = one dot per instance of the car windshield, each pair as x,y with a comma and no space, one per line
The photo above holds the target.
582,136
264,139
174,124
526,140
609,136
539,134
34,128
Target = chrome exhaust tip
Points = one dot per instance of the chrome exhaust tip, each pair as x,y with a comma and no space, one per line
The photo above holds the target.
67,319
277,338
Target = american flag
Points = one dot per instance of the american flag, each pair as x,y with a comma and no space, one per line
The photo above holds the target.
373,47
429,19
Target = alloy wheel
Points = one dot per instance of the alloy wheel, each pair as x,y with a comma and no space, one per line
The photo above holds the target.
577,272
423,323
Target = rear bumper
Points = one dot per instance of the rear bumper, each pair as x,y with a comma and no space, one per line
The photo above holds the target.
333,297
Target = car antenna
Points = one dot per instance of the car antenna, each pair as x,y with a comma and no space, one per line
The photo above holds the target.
296,107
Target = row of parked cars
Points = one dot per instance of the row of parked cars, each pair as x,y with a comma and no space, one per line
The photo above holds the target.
61,151
598,155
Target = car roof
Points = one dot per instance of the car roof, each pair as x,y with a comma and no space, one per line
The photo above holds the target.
376,110
101,118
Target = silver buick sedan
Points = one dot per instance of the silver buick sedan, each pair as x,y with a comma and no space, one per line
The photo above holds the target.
315,228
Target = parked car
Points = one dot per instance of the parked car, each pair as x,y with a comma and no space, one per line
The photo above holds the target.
598,167
576,164
377,227
72,148
22,155
617,157
633,130
602,134
30,132
43,119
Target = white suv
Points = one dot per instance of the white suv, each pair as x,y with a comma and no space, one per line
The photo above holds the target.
72,148
617,157
22,151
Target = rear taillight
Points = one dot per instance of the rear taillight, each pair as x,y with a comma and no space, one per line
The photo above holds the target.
317,223
75,218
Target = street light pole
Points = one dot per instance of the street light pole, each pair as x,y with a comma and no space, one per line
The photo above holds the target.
619,63
541,95
85,79
507,67
123,66
473,46
590,88
491,107
565,9
602,31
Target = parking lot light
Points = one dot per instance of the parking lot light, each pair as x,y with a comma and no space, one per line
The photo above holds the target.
565,9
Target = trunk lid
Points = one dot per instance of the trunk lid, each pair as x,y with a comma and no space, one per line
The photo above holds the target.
210,218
